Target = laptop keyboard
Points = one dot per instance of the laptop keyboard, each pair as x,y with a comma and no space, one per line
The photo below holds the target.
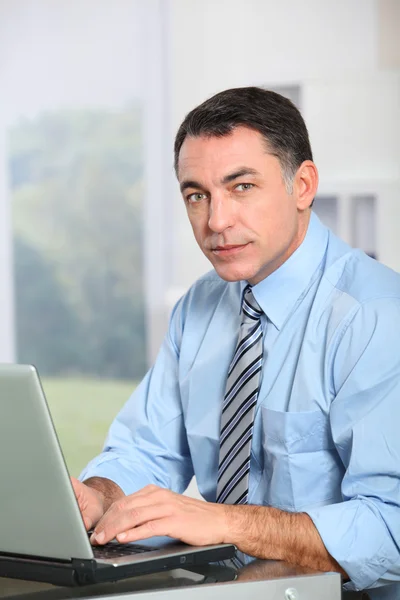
113,550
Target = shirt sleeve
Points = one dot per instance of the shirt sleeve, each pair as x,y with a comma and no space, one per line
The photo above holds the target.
147,441
363,531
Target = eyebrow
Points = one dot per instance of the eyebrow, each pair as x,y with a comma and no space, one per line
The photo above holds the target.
227,179
190,184
239,173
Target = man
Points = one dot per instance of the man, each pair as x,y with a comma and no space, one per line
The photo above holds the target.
278,382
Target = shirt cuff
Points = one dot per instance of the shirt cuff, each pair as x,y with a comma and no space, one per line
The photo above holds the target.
356,536
109,467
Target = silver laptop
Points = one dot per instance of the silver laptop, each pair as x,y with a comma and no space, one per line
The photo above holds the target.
42,535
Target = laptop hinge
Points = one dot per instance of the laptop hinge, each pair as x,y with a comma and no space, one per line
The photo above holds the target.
84,570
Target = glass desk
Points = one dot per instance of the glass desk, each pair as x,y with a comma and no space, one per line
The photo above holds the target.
260,580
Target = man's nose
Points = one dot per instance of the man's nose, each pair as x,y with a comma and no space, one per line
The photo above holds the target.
221,213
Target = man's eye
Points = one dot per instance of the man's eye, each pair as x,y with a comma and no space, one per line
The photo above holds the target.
243,187
196,197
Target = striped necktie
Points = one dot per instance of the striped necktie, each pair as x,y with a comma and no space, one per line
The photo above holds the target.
238,408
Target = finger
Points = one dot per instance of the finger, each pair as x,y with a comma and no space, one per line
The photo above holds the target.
125,517
147,496
76,484
119,520
112,522
81,490
87,522
158,527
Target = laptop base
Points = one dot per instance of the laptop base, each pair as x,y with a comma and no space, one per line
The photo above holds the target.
79,572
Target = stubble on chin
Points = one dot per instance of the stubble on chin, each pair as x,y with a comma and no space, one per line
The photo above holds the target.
232,274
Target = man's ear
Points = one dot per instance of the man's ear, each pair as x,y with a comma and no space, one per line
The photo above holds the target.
305,184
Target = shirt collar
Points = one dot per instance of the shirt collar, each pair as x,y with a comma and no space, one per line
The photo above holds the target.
278,293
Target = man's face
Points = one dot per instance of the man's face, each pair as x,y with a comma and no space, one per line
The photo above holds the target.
242,217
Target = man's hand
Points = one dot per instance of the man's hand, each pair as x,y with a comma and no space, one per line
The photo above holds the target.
90,501
155,511
260,531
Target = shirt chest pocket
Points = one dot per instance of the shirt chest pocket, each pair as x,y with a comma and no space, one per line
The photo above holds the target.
301,466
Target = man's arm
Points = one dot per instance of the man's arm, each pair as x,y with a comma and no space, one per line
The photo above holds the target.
363,531
269,533
147,443
259,531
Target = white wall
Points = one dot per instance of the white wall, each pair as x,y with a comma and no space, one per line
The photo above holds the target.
354,126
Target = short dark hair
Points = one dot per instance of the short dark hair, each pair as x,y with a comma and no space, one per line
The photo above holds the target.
275,117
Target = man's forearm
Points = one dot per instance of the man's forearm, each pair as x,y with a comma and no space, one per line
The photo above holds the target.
107,488
266,532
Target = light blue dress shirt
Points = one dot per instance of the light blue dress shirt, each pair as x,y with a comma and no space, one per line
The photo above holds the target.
327,424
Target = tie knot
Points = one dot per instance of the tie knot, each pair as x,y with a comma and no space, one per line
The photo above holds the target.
250,308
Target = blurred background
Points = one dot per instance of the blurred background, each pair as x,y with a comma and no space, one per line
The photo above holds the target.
95,247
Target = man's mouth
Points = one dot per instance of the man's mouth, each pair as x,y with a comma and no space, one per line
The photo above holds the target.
228,249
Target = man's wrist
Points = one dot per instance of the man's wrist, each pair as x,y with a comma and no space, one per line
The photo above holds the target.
242,524
108,490
269,533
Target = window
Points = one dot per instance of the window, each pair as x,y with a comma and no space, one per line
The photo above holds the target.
74,153
326,208
363,219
